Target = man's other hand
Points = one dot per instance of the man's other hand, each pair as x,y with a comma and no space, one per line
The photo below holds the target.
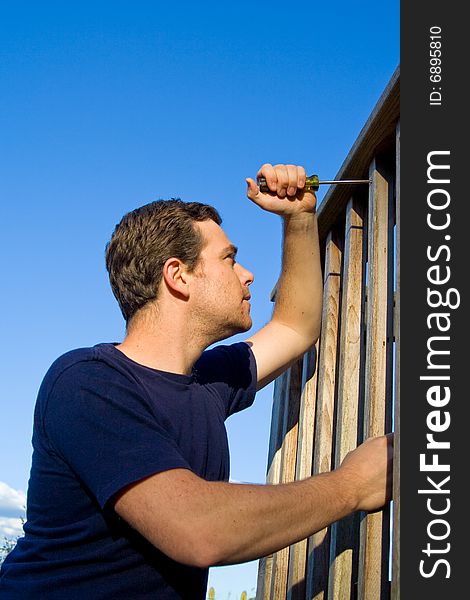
369,470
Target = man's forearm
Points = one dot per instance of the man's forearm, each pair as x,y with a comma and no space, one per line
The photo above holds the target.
203,523
299,291
257,520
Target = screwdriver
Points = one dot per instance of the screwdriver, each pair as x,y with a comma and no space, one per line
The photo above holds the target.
312,183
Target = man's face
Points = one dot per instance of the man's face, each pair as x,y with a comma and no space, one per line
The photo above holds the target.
220,287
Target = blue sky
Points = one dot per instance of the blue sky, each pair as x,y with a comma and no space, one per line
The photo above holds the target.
108,105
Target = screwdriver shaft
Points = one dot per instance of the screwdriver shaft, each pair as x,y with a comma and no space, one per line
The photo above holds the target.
344,181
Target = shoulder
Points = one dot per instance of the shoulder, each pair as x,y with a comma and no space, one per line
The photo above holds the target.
74,362
96,368
66,363
88,385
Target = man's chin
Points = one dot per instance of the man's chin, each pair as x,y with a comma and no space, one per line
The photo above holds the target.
246,326
240,327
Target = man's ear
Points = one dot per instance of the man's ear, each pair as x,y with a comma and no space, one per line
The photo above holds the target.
176,276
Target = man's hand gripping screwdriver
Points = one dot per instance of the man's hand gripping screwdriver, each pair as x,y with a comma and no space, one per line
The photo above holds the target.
312,183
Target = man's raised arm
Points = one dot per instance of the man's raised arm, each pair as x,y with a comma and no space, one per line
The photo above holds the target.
296,320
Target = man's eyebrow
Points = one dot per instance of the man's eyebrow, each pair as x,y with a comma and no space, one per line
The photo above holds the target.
230,250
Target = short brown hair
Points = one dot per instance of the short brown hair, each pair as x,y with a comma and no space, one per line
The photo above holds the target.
144,240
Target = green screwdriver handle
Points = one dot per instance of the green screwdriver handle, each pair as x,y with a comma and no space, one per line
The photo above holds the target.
311,184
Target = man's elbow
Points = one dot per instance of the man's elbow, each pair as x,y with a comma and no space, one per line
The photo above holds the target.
199,557
202,555
195,549
307,339
313,337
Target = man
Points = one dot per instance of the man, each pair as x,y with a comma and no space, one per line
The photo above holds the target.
129,494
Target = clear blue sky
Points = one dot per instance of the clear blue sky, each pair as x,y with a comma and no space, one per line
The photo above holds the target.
109,105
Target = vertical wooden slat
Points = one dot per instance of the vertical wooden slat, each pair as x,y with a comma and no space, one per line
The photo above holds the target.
278,428
318,544
289,455
298,552
281,385
373,567
344,533
396,447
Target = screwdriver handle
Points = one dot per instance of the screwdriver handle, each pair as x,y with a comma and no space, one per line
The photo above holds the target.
311,184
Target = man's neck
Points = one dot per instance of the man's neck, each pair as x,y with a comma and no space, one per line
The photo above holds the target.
166,345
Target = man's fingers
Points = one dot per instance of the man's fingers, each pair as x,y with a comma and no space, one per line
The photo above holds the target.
286,182
268,172
293,180
283,180
254,194
282,175
301,177
253,189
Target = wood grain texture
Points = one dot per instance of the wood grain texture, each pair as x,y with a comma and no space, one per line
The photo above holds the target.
288,462
373,569
281,385
318,544
303,469
344,534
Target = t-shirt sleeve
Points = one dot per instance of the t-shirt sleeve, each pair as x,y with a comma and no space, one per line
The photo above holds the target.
231,371
103,427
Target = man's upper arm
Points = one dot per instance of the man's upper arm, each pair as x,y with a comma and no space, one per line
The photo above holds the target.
275,347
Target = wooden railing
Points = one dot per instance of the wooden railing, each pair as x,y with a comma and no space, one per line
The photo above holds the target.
346,388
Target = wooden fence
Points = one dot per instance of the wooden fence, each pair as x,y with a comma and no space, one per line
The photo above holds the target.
346,388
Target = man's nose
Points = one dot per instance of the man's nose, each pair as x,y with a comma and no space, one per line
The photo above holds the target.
246,277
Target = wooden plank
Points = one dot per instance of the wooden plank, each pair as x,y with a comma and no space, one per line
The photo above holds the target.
318,544
281,395
281,385
373,567
289,455
298,552
307,413
378,131
344,534
395,594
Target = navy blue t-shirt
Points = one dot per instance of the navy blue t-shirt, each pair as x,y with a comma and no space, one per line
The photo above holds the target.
102,422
